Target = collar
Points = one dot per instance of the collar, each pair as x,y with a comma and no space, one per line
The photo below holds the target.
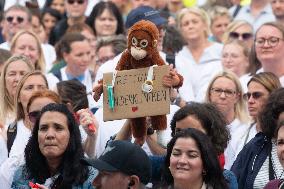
79,78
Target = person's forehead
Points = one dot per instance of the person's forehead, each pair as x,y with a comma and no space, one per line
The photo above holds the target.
17,12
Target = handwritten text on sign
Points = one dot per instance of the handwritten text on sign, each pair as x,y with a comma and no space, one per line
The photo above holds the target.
129,99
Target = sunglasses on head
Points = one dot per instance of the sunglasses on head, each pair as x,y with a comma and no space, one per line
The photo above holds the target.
235,35
254,95
73,1
33,116
18,18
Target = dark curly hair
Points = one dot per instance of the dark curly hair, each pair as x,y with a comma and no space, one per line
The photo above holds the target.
72,171
214,174
268,117
98,10
211,119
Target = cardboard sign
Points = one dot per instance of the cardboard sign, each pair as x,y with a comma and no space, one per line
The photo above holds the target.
129,99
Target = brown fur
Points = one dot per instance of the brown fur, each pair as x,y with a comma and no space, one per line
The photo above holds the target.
141,30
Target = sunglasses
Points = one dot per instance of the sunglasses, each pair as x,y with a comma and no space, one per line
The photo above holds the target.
33,116
73,1
245,36
254,95
18,18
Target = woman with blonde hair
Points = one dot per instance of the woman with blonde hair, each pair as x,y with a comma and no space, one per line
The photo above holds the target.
13,70
241,30
27,43
235,57
200,59
19,131
225,91
220,19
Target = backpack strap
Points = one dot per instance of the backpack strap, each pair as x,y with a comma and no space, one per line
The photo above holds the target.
57,74
11,135
237,10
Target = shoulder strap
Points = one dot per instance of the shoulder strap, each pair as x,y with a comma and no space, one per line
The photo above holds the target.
271,169
93,76
237,10
11,135
57,74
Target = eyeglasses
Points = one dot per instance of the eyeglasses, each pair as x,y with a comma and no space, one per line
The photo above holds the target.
245,36
11,18
272,41
33,116
218,92
73,1
254,95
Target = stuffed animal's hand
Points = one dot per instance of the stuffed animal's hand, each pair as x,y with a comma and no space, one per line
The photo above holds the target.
98,90
172,79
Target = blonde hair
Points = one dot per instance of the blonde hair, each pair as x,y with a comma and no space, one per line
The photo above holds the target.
218,11
6,100
19,109
233,26
240,107
40,63
198,12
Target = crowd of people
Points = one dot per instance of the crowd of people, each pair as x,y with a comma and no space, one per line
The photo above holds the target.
226,120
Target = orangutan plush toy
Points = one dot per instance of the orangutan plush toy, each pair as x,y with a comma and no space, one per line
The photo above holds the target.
142,52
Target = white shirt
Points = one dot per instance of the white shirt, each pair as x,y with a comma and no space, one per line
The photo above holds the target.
266,15
48,54
3,146
87,81
16,156
237,131
197,75
262,178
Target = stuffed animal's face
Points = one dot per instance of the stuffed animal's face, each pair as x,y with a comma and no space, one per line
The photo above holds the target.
140,44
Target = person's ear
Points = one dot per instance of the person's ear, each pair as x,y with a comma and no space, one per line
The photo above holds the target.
134,182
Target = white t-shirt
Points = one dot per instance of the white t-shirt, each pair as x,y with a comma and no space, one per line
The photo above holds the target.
16,156
197,75
237,131
87,81
266,15
3,146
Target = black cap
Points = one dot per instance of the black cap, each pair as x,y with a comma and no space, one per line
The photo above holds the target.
144,13
124,157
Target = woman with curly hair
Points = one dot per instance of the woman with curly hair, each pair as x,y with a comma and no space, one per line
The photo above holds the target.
192,161
53,153
258,163
206,118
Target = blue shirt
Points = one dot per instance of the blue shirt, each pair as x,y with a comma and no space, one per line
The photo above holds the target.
21,182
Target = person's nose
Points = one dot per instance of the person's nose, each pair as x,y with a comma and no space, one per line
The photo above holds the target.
50,134
17,77
250,100
182,159
26,52
223,95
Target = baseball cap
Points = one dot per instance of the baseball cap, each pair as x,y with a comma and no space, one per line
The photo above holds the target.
125,157
144,13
